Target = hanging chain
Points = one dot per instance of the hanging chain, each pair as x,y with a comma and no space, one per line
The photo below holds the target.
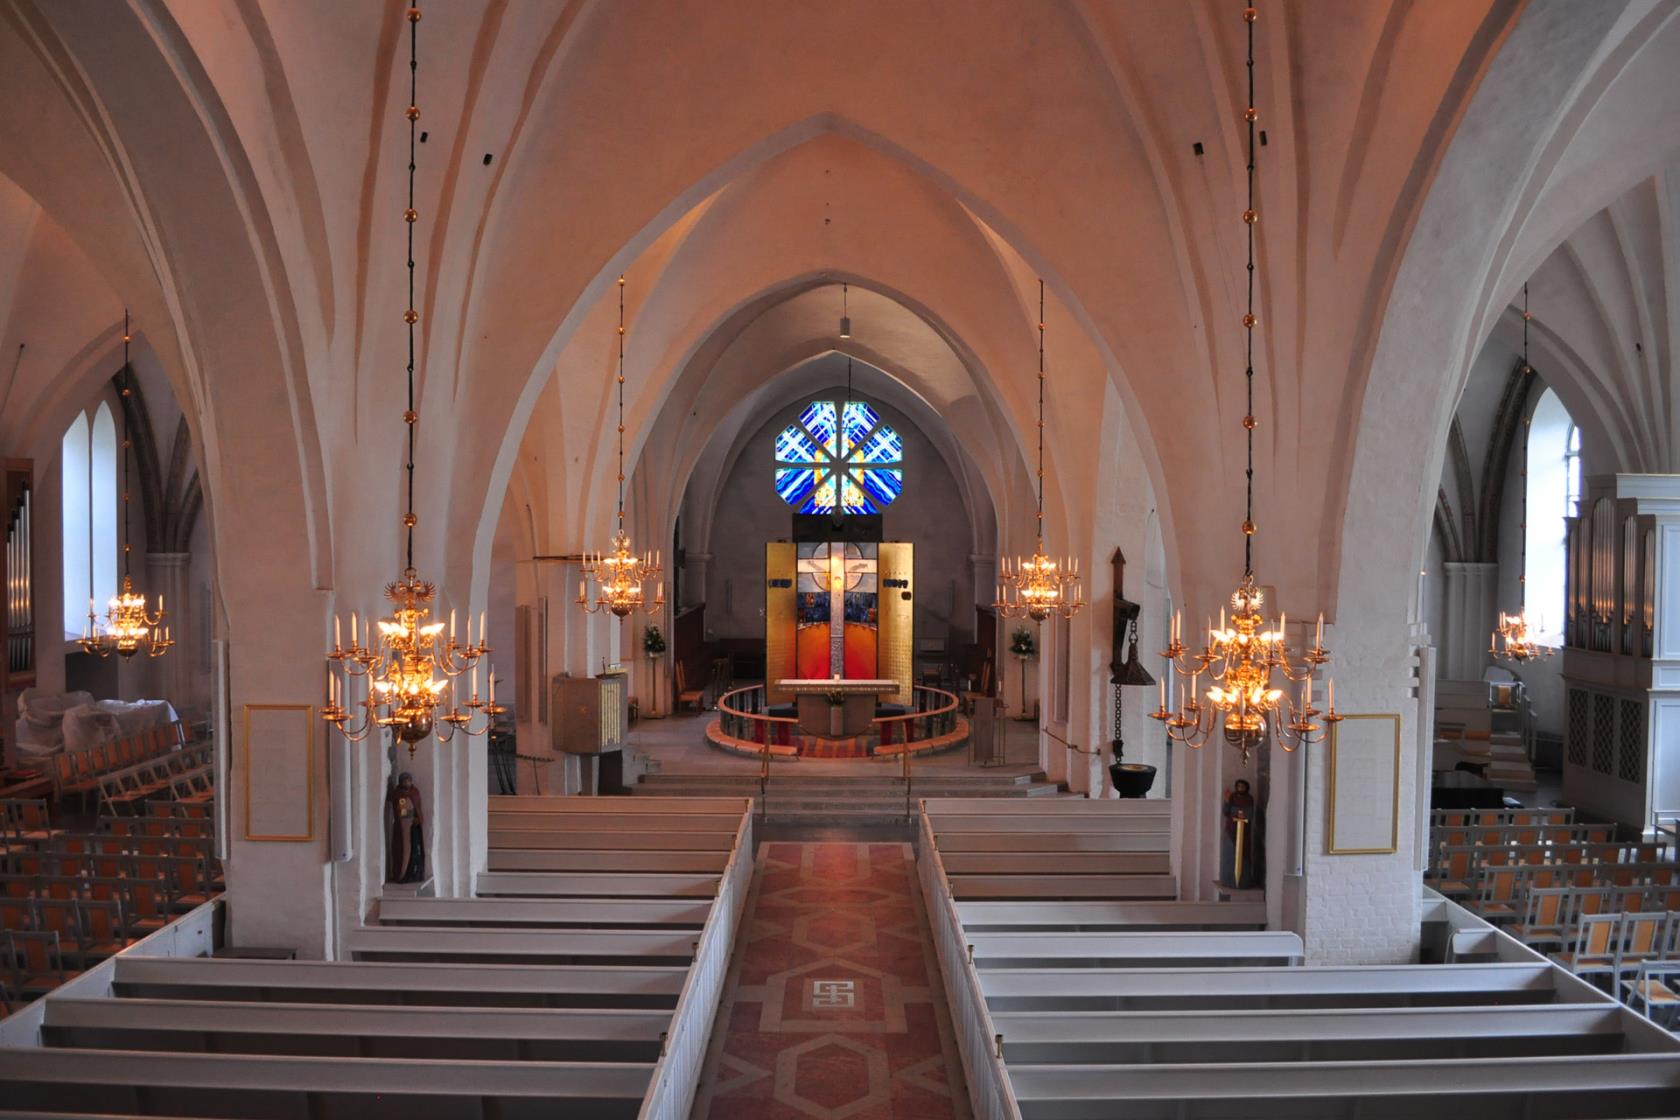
1528,425
411,316
1041,415
128,403
1250,216
621,403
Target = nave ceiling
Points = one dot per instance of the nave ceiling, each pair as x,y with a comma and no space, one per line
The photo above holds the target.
234,169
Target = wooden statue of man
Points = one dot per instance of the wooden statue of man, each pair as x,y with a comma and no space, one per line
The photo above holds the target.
407,852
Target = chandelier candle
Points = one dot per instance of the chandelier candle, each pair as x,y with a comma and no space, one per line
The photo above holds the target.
408,664
1251,666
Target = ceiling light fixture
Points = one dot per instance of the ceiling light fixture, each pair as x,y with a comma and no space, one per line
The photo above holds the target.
129,625
1514,639
620,576
408,664
1243,661
1038,586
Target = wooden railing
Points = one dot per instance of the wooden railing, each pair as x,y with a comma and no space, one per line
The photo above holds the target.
676,1078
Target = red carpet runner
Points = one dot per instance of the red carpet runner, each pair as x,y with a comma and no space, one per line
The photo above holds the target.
834,1009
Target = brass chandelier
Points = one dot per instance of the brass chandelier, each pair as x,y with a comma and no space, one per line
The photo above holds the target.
406,661
620,576
1251,670
130,626
1514,639
1038,586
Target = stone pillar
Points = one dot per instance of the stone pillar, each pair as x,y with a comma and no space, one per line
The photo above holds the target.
1470,594
1358,908
167,576
696,565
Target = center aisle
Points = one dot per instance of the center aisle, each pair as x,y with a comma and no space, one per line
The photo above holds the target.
833,1006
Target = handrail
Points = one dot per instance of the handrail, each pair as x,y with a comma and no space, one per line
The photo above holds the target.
990,1092
682,1052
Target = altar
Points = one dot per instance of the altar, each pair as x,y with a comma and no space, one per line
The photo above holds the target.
835,709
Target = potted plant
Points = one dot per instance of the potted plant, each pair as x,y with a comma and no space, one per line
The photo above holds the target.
1023,646
836,712
653,644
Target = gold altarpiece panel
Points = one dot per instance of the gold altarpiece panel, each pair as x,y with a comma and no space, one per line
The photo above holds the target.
898,617
781,561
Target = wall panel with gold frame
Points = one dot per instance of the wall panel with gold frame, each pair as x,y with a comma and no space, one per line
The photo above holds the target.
1362,792
279,798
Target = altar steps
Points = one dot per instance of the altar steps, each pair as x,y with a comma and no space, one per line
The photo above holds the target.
843,799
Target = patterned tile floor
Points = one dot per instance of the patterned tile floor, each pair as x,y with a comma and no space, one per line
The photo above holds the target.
833,1009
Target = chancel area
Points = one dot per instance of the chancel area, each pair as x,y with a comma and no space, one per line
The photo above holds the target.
765,560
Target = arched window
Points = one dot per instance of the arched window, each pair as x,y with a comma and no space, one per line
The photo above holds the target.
1554,489
88,466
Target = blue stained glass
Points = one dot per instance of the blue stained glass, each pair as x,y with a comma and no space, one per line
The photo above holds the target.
859,419
883,447
819,420
795,446
809,474
795,484
882,485
853,497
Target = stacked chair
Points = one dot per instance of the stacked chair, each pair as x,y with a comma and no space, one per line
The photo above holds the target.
1607,911
71,898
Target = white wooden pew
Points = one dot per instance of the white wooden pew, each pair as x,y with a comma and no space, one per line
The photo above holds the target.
335,1021
668,821
1275,947
1119,1092
1051,822
995,916
1064,841
1057,863
397,982
542,884
606,860
544,912
1063,886
1060,807
647,806
150,1082
1307,1034
1369,986
527,839
452,942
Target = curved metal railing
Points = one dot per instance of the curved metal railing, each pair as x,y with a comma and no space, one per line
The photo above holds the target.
744,715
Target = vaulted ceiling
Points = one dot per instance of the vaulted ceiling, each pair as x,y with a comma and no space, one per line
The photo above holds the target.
235,172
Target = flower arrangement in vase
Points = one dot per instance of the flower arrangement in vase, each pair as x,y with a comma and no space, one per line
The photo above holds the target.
1023,646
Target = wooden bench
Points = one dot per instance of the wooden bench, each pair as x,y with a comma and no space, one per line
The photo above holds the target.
966,887
1057,863
1085,989
1137,949
1615,1084
648,841
541,884
504,820
308,1088
463,983
453,943
544,912
478,1034
1308,1034
1157,916
605,860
